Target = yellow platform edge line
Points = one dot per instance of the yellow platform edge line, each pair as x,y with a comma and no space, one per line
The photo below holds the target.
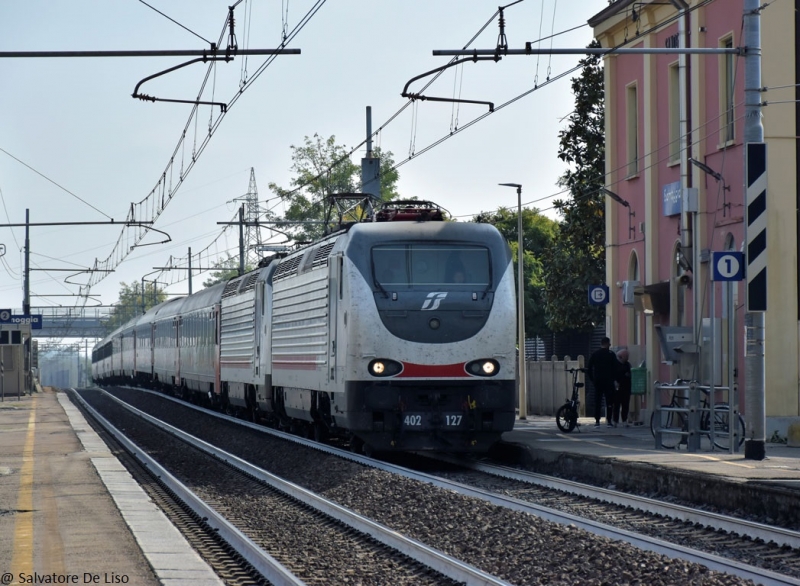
22,558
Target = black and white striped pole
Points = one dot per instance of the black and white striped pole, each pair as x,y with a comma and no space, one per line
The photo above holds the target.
755,229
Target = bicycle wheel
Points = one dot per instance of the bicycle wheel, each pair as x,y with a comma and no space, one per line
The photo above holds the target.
674,422
722,428
566,418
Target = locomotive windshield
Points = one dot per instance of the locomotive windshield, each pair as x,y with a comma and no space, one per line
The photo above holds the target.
431,265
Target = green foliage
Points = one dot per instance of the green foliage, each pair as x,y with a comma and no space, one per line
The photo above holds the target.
315,179
228,269
131,303
538,234
577,258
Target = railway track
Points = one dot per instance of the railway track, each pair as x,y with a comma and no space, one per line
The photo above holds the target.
774,551
649,533
165,492
319,541
522,481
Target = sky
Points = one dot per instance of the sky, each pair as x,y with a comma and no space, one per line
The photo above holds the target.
76,147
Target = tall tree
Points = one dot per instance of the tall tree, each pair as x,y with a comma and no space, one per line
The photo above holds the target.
321,168
538,234
577,258
132,303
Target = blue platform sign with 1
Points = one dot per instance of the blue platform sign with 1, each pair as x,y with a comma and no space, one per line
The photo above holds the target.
598,295
727,266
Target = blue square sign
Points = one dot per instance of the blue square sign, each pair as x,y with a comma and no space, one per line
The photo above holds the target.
598,295
727,266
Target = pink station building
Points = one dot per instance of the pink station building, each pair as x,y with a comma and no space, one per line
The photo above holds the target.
675,153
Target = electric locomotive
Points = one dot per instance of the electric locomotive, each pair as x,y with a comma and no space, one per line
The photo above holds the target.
399,332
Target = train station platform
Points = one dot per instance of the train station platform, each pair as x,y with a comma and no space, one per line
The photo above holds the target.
69,511
627,458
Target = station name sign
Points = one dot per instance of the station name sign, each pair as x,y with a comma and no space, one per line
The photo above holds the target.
34,320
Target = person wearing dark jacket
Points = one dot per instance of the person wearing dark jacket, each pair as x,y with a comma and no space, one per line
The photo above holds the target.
623,395
602,370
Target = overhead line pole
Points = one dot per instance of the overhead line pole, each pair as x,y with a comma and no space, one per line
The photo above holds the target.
755,241
26,294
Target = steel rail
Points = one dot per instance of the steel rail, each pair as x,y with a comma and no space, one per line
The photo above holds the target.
263,562
742,527
434,559
714,562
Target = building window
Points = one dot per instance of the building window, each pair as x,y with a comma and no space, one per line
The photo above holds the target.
674,113
632,105
726,80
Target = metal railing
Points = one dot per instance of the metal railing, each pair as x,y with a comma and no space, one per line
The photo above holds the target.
694,411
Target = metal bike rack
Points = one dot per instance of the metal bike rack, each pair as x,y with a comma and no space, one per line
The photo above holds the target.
688,393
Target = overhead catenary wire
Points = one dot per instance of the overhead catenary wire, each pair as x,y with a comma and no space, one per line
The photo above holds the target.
417,154
123,246
176,22
654,28
444,138
623,166
552,29
61,187
150,206
391,118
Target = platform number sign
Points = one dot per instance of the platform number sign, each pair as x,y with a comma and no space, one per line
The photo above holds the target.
756,226
598,295
727,266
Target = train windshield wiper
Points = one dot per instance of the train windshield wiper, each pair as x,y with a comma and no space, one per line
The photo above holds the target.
378,283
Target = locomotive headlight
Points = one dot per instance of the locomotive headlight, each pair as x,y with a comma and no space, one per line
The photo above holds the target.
384,367
483,367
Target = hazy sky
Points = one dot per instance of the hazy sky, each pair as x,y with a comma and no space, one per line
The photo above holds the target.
74,120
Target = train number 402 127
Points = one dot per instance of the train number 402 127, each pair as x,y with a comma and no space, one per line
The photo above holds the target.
416,420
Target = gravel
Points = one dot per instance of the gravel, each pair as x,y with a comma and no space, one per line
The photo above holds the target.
518,547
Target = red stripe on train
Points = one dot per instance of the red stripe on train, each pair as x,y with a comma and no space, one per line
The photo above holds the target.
433,370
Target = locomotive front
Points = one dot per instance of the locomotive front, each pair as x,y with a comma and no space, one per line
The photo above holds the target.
431,357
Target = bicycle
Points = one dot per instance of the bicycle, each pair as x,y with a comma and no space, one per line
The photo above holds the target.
567,414
677,422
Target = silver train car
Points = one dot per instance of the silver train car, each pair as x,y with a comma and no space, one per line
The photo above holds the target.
396,335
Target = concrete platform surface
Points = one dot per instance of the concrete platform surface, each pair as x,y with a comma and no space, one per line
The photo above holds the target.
636,444
71,513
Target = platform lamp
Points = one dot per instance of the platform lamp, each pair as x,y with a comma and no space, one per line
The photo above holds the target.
718,176
624,203
523,389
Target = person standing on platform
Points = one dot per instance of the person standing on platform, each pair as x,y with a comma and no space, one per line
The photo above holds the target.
623,396
602,370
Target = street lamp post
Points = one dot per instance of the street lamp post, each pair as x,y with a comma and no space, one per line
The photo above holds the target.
523,388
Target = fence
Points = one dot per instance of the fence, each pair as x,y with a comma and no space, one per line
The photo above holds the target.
549,384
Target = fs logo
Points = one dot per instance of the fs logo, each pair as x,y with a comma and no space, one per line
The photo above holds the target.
432,301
